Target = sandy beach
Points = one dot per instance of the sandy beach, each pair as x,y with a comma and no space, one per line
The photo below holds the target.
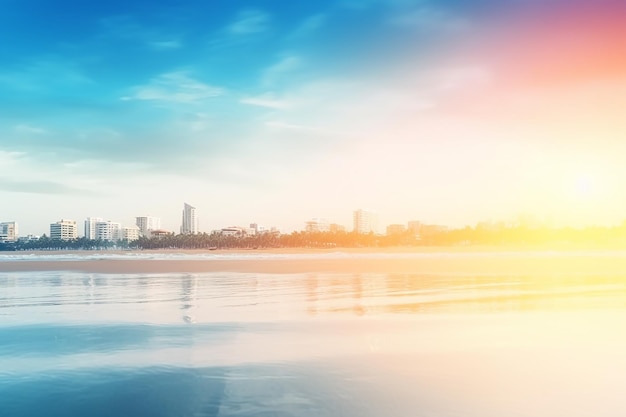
455,261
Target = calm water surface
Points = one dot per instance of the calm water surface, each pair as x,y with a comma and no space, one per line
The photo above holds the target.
228,344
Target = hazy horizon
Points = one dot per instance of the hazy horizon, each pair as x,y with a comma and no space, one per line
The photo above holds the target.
275,113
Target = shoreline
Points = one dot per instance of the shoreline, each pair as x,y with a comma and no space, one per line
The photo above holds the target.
565,247
460,262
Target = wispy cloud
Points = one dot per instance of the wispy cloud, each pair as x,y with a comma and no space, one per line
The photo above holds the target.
366,4
267,100
126,28
165,45
309,25
46,72
285,65
29,130
175,87
430,19
250,22
39,187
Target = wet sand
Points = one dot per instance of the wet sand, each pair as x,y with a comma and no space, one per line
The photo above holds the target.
463,262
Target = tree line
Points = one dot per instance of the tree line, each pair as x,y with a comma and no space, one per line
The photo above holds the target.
465,236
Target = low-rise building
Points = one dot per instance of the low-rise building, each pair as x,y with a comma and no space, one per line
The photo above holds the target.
414,227
232,231
130,233
159,233
28,238
317,225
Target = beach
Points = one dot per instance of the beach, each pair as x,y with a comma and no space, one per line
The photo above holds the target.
452,261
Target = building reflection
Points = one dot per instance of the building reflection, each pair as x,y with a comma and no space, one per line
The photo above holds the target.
189,293
311,284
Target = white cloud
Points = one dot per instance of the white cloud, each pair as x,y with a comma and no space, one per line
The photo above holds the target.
10,160
177,87
29,130
275,72
267,100
250,22
126,28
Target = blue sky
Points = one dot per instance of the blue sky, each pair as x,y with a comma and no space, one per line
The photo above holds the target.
269,111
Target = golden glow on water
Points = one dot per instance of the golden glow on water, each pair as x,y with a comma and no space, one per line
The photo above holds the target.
483,345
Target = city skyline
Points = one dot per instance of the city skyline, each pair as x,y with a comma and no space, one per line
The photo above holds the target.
363,221
444,111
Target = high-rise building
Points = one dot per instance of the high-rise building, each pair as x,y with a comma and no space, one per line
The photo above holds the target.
64,230
130,233
108,231
147,223
8,232
365,221
190,221
90,227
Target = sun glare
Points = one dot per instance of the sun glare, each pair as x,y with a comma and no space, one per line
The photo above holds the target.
585,186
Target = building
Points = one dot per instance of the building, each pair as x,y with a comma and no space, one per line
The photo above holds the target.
257,228
130,233
90,227
190,221
395,229
8,232
317,225
158,234
28,238
108,231
64,230
147,223
336,228
365,221
430,230
232,231
414,227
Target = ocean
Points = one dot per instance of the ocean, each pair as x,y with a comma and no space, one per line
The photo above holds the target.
312,344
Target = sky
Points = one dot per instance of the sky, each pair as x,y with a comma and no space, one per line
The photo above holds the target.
276,112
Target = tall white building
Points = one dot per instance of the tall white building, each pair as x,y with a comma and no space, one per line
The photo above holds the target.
365,221
8,232
90,227
108,231
64,230
190,221
147,223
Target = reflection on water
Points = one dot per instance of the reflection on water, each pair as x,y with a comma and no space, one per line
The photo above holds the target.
77,344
